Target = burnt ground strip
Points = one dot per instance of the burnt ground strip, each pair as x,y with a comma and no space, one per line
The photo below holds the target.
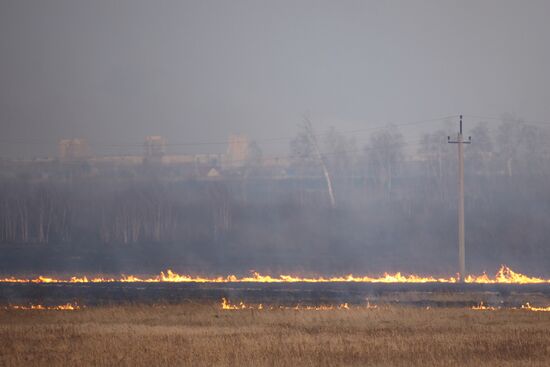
416,294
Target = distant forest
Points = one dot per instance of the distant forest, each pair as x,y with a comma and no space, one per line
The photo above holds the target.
395,209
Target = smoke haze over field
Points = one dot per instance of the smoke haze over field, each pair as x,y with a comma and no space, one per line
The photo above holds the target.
281,136
114,72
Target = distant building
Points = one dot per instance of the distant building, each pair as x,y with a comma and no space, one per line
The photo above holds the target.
73,149
180,159
117,160
154,146
213,173
282,162
237,151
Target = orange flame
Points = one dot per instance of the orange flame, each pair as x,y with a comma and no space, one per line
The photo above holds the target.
65,307
482,307
369,306
504,275
526,307
507,276
226,305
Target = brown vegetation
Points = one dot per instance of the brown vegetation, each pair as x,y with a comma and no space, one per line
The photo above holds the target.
205,335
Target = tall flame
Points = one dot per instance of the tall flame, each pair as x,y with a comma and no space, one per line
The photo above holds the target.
504,275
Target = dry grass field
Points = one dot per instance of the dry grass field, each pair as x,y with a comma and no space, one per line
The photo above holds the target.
205,335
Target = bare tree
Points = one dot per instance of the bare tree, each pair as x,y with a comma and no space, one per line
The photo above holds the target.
255,155
480,154
384,155
509,138
301,151
440,161
533,151
340,154
310,132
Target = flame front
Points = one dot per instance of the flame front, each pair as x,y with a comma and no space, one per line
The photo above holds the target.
65,307
483,307
528,307
525,307
226,305
505,275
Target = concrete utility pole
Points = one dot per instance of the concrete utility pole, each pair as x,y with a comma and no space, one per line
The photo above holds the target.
461,249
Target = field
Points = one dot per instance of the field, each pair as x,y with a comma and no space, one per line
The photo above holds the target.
202,334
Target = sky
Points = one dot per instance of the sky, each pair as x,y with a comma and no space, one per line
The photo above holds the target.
113,72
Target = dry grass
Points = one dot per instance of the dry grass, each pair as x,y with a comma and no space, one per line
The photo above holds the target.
204,335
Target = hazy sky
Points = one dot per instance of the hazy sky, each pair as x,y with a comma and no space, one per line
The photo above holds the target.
196,71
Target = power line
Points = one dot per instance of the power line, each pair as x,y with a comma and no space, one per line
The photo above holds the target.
274,139
225,142
502,119
356,150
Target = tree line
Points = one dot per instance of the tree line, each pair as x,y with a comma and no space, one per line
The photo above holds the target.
395,206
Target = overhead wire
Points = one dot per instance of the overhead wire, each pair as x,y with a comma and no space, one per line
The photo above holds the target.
324,154
225,142
504,118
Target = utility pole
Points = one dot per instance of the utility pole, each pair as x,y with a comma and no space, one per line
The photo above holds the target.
461,249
